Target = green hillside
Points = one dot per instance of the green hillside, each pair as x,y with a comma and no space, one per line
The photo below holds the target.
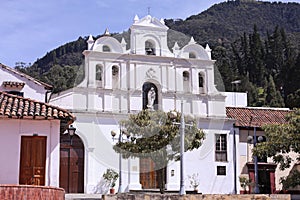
224,22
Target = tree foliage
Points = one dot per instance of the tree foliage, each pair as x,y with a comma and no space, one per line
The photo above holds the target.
154,135
281,140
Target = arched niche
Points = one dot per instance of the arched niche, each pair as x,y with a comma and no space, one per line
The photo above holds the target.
115,72
186,81
150,96
201,82
99,75
147,42
150,48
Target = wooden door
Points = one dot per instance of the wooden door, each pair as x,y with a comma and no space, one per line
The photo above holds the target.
71,164
33,160
264,183
148,175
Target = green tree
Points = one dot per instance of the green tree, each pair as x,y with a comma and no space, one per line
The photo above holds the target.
293,99
281,140
256,65
273,97
154,135
223,64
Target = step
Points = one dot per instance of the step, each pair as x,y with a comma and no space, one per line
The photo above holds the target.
82,196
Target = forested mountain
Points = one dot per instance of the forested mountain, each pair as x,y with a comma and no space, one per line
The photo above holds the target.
224,22
256,44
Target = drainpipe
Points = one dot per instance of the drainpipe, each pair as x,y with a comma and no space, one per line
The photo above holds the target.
234,161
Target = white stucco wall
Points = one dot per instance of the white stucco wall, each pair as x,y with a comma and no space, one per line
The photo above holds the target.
236,99
31,89
11,131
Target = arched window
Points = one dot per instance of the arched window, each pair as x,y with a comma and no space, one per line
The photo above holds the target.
106,48
186,81
149,48
186,76
99,72
99,75
201,82
192,55
115,77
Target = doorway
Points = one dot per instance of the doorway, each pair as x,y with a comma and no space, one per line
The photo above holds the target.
149,176
264,182
266,177
33,160
71,164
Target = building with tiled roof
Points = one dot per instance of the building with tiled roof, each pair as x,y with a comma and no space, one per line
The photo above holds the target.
256,117
30,139
249,121
15,82
16,107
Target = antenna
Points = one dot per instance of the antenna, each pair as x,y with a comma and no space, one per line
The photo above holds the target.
148,10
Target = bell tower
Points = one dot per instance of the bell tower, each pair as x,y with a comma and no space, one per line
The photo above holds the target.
149,37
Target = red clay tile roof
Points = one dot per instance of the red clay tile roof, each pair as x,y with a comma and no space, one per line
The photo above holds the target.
12,106
47,86
13,84
259,116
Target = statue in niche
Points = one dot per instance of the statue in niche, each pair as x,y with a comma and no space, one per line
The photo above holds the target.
151,98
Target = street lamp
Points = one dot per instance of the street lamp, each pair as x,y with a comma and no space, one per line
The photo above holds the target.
253,140
182,127
120,139
71,132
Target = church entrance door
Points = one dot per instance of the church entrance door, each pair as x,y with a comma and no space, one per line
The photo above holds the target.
71,164
149,176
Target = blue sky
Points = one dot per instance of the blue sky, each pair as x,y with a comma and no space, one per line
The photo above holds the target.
31,28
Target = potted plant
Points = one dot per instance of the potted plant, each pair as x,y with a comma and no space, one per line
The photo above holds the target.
245,182
194,181
111,177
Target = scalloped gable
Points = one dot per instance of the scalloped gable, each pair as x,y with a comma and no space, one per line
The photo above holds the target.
149,21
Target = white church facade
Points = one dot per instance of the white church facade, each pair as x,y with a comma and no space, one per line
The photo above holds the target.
116,83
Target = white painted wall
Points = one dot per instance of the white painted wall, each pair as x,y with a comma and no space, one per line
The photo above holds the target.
236,99
31,89
11,131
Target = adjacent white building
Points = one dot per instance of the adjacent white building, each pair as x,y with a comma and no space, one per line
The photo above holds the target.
117,80
29,131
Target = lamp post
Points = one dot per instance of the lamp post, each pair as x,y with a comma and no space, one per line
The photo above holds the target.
182,125
250,139
120,139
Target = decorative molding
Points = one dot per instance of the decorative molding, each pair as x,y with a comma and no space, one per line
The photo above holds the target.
150,74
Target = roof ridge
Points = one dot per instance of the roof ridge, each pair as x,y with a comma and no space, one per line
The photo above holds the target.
47,86
260,108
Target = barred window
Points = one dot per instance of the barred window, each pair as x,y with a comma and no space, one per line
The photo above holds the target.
221,170
221,147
